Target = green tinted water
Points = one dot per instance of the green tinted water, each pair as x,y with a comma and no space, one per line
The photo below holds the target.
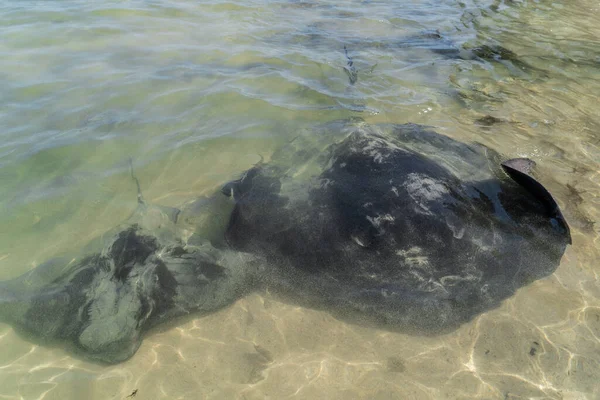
196,92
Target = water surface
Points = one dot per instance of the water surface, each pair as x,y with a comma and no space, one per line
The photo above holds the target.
196,92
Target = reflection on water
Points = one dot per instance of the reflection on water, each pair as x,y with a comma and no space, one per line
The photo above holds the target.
196,92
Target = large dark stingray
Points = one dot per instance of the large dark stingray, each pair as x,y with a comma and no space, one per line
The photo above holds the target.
398,225
392,224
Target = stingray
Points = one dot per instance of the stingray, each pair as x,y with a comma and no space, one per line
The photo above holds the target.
396,225
149,270
392,225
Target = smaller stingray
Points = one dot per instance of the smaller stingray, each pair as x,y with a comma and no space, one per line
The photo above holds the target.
145,274
397,225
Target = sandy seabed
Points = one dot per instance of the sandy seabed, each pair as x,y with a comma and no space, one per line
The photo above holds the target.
543,343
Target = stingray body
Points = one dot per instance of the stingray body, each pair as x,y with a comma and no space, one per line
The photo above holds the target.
392,224
146,273
397,225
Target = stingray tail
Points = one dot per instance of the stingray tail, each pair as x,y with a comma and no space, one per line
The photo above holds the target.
350,69
170,212
140,197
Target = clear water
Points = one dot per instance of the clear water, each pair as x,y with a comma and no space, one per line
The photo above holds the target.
195,92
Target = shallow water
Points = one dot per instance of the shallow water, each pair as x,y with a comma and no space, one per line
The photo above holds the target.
196,92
